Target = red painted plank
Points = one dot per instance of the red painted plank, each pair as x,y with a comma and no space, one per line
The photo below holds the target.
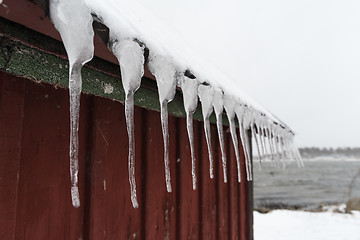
244,200
188,199
160,205
44,209
234,194
112,215
208,189
11,111
223,202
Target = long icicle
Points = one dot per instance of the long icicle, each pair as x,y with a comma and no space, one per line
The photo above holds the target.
282,147
219,108
75,83
229,105
129,115
256,142
296,152
240,113
259,134
189,127
272,146
276,149
247,146
266,151
268,133
77,35
189,88
165,73
206,95
165,131
281,152
130,56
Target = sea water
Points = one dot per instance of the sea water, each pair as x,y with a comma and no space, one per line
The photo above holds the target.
321,181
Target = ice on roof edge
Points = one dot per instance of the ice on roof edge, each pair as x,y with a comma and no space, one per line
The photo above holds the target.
130,28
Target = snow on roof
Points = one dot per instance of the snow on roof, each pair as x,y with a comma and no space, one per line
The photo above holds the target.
131,20
131,30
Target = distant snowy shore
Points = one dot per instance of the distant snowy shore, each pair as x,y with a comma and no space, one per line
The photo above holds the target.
332,158
330,224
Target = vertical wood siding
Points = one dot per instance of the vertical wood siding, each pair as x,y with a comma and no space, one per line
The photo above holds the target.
35,200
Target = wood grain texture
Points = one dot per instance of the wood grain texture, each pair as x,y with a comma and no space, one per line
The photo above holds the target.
11,119
44,209
208,188
35,182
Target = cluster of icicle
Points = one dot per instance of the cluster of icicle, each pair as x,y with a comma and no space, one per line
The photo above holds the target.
76,30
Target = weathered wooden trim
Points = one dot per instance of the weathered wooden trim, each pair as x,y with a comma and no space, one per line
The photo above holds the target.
26,53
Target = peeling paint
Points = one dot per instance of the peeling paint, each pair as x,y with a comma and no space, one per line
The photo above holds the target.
108,88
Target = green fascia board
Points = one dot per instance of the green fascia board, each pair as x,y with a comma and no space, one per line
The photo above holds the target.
29,54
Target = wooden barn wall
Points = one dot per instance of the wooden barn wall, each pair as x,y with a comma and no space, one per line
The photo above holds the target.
35,201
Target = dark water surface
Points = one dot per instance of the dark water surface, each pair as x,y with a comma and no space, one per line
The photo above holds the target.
321,181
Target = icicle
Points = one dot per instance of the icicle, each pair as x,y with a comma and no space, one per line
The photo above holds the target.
248,118
206,95
291,150
296,152
259,134
278,146
256,143
263,136
165,74
75,83
278,152
282,147
288,148
273,146
74,22
242,118
281,152
261,142
219,108
269,141
229,105
131,60
190,89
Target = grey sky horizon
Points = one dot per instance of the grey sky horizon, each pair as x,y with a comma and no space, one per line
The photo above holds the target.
299,59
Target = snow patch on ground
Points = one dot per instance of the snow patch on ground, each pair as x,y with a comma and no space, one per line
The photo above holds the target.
301,225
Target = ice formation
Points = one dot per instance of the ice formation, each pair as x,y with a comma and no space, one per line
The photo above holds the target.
131,30
230,105
131,60
165,73
77,34
274,142
256,139
218,104
189,88
243,114
206,95
239,112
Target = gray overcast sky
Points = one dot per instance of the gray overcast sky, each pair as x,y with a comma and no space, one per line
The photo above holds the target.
299,59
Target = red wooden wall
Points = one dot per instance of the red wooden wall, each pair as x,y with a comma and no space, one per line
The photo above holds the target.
35,200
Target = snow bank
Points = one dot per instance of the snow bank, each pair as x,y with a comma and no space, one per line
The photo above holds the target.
300,225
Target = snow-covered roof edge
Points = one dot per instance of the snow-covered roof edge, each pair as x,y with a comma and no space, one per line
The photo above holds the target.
131,30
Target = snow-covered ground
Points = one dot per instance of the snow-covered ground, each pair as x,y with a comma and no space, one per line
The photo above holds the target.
301,225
